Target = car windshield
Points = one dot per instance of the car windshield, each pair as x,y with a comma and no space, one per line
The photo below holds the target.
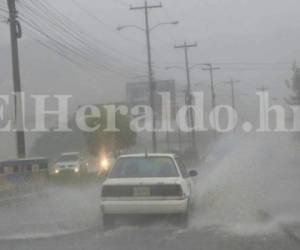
68,158
139,167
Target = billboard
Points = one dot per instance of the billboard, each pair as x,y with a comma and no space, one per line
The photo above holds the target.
138,93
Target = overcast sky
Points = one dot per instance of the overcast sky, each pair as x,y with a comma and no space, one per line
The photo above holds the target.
263,32
257,31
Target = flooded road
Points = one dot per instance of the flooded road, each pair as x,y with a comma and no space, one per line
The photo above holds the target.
247,197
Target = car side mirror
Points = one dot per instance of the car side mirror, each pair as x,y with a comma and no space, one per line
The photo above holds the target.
193,173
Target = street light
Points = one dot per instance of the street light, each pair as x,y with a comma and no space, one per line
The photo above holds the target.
174,67
152,85
165,23
121,27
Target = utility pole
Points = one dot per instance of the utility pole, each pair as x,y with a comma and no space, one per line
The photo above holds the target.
188,100
179,134
168,117
15,34
232,83
264,89
152,84
168,140
211,70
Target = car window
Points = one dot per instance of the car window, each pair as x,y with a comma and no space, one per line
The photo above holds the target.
69,158
140,167
182,168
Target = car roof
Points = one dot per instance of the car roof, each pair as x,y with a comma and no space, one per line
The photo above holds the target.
148,155
70,153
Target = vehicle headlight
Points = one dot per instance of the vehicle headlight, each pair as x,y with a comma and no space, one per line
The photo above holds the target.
76,170
56,171
104,164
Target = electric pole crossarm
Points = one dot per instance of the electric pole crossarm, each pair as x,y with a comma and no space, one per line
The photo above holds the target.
146,6
185,46
213,68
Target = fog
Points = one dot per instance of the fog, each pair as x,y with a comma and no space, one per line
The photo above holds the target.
241,190
253,41
247,188
226,31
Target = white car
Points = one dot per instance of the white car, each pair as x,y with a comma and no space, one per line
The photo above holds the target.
68,162
147,184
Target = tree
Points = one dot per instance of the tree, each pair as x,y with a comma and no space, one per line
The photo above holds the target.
109,141
52,144
296,83
295,87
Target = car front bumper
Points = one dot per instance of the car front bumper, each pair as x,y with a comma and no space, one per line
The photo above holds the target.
145,206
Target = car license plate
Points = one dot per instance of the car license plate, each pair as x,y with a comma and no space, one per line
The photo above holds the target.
141,191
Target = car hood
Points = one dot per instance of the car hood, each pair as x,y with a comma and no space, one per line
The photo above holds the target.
141,181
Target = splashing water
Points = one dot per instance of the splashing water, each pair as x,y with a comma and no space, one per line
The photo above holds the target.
253,186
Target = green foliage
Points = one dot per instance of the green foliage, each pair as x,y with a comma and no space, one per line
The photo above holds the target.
52,144
296,83
109,141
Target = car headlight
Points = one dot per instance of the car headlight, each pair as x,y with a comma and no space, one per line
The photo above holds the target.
104,164
56,171
76,170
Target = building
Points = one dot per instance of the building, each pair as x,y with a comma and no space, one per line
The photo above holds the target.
138,94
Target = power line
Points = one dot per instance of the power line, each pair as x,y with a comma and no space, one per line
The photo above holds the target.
3,10
74,37
59,21
63,48
77,29
58,51
248,63
253,69
66,46
98,20
68,24
244,66
67,31
110,29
